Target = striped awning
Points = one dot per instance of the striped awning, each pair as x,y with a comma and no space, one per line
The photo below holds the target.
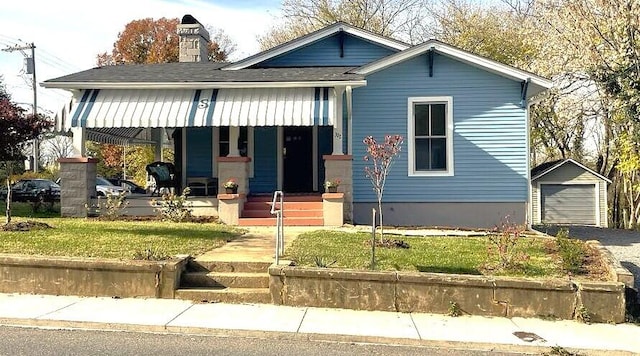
121,108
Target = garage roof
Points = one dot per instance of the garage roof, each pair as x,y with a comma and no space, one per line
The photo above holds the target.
548,167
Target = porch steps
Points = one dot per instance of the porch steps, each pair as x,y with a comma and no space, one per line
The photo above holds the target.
299,210
225,281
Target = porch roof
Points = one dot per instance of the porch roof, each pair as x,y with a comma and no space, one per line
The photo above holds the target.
143,108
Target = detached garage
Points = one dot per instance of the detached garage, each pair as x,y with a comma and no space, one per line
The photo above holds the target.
567,192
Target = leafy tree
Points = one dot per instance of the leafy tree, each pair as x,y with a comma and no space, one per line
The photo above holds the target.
494,31
381,156
392,18
17,128
156,41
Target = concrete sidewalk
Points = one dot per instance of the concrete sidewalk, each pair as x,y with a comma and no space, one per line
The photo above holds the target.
263,320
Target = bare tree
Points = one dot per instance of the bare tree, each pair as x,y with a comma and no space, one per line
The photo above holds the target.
391,18
54,147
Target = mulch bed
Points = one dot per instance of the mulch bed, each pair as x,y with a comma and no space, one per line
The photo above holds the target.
25,226
194,219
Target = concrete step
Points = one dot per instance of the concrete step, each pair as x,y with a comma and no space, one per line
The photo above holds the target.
287,214
224,279
288,206
225,295
286,221
228,266
287,198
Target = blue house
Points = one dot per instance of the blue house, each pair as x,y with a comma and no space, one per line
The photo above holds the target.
293,116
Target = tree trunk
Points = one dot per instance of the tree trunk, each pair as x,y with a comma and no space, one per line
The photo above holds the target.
380,217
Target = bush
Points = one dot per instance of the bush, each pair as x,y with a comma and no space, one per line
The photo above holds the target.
503,242
174,208
571,251
110,208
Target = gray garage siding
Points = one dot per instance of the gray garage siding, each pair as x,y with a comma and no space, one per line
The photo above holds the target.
569,173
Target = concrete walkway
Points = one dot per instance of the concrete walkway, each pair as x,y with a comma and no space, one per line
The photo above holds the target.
262,320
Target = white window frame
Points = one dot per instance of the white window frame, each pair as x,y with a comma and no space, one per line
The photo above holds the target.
412,101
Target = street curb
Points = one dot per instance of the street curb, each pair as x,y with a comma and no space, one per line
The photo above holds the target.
278,335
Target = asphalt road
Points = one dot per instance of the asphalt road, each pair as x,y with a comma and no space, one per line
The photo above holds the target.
31,341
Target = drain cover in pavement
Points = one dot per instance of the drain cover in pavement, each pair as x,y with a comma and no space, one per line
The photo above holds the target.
528,337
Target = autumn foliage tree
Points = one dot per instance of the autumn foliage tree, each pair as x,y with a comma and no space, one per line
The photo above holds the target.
381,156
17,129
156,41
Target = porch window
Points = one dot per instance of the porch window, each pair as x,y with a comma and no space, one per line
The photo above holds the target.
430,131
243,141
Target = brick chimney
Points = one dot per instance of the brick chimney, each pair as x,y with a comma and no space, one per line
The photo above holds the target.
193,40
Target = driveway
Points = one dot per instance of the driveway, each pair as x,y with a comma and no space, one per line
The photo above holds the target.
624,244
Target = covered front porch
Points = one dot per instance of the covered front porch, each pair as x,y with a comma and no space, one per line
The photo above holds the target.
265,139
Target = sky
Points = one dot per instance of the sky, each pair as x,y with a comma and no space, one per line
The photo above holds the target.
68,34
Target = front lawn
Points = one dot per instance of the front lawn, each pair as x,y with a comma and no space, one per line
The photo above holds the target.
115,239
467,255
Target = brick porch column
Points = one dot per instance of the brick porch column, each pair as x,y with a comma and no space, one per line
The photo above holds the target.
332,209
340,167
236,168
77,185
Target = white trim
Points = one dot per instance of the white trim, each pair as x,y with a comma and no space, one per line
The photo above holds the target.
529,218
314,153
338,136
313,37
596,196
280,157
442,48
200,85
183,178
539,212
411,101
349,120
250,149
559,164
606,201
216,149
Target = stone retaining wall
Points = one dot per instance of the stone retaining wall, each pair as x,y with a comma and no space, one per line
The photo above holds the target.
435,293
89,277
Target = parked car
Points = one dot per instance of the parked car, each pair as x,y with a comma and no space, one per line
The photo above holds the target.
33,190
128,185
104,187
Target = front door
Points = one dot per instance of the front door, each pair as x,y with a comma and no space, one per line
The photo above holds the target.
298,160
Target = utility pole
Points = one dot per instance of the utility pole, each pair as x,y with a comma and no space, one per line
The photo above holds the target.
31,69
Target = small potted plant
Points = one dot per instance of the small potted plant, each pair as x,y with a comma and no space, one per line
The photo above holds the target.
331,185
230,186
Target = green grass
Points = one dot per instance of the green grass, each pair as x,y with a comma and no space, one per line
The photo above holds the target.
26,210
111,239
426,254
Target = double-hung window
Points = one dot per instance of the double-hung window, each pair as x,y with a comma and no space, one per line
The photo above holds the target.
430,128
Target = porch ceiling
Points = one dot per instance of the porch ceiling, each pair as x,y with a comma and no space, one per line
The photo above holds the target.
143,108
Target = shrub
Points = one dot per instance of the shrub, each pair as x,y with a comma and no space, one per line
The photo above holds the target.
151,254
572,252
109,208
174,208
503,242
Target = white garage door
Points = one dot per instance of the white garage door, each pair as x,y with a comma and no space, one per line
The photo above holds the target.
568,204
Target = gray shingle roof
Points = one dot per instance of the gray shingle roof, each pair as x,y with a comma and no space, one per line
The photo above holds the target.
203,72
